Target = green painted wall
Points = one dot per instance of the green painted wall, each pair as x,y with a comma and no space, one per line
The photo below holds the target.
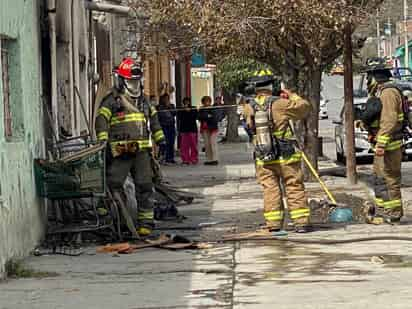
21,212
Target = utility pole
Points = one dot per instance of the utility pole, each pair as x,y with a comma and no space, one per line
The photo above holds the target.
378,33
389,27
349,111
405,12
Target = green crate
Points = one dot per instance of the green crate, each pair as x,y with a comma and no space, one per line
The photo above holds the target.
80,178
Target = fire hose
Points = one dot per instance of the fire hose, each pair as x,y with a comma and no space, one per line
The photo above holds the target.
317,241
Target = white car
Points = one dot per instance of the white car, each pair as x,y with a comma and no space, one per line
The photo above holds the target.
362,146
323,109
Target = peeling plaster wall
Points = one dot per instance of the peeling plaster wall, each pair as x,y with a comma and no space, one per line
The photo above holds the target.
21,212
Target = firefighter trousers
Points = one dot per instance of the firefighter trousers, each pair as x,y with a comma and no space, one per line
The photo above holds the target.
387,186
269,176
140,168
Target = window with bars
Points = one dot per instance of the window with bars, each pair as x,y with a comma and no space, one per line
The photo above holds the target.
11,89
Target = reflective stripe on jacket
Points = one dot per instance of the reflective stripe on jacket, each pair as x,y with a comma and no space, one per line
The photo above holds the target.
389,134
283,110
124,126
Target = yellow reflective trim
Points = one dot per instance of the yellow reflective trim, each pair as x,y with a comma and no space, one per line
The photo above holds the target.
388,204
392,204
379,202
299,213
263,73
295,97
297,157
105,112
102,136
276,215
158,135
153,111
394,145
142,143
135,117
401,117
145,215
383,139
283,133
260,99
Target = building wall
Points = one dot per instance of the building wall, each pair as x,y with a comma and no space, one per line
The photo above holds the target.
157,75
21,213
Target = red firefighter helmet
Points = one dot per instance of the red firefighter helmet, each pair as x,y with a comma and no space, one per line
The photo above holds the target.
129,69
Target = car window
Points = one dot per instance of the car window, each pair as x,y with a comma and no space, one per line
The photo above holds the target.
402,73
360,86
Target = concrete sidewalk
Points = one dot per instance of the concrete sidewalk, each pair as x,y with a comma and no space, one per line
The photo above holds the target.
232,275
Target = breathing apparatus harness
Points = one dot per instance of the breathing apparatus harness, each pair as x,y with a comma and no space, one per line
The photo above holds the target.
370,116
269,147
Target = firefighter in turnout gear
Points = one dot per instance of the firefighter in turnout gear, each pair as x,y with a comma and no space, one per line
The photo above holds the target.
384,118
127,123
278,163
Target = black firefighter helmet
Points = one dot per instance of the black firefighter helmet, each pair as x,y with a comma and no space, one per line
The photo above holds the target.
263,79
378,72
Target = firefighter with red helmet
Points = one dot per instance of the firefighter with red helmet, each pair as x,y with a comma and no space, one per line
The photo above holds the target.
128,124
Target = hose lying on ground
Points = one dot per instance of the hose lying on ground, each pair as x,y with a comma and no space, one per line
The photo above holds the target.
316,241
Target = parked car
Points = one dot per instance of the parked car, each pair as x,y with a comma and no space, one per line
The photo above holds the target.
404,74
363,148
323,108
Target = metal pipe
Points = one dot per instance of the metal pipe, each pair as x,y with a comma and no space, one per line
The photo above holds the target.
108,8
378,33
51,7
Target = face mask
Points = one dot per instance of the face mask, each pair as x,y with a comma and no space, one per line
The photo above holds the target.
133,87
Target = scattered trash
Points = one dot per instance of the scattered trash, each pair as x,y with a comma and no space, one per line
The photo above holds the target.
208,224
54,249
171,242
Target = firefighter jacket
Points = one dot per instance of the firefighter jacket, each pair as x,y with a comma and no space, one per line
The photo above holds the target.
283,111
127,126
389,125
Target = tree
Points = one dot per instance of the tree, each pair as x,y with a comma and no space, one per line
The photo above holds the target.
231,72
297,37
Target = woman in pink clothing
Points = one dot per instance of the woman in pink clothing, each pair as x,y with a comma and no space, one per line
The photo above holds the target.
188,132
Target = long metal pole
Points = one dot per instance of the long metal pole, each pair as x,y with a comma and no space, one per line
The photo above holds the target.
378,33
349,111
405,12
390,37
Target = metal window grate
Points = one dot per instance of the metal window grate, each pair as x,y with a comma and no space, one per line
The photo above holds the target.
4,61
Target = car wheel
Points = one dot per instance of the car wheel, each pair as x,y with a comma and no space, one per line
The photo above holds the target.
340,156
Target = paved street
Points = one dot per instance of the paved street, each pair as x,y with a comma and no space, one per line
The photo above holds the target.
232,275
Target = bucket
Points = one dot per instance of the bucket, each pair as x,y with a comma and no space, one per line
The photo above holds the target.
341,215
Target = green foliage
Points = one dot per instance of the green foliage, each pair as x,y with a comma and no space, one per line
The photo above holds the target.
231,71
